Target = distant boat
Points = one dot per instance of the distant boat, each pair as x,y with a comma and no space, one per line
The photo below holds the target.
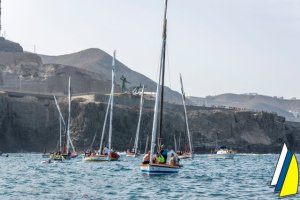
224,152
109,154
134,151
189,152
286,175
153,168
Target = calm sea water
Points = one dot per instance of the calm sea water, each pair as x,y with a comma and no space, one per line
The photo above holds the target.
23,176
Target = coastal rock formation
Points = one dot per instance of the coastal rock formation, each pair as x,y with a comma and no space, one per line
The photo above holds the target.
30,123
9,46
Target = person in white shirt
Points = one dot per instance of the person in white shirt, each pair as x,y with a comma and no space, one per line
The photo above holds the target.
105,150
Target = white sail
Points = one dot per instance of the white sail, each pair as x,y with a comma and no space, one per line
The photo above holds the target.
112,100
279,165
69,141
185,113
61,119
175,144
58,108
139,122
159,86
69,115
146,146
59,133
104,125
154,125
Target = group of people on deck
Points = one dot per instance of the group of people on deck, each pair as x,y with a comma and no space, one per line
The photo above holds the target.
105,152
57,156
161,157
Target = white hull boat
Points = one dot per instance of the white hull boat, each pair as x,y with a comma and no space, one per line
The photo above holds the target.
225,153
155,169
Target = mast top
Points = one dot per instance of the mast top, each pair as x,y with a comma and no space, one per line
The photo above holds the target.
114,58
165,21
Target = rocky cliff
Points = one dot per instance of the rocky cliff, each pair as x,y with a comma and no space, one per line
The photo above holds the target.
30,123
9,46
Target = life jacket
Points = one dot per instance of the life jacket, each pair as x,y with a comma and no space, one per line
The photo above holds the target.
161,159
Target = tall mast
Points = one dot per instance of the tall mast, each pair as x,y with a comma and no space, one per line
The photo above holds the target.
139,122
162,65
112,100
185,113
158,89
69,115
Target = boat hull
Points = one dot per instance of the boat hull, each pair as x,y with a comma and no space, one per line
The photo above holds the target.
225,156
112,156
155,169
74,155
133,155
96,158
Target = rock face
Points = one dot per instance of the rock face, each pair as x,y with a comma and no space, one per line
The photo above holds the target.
25,72
30,123
9,46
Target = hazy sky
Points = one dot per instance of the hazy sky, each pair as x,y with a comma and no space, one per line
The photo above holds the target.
219,46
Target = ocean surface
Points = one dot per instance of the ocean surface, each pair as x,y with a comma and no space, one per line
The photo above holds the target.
24,176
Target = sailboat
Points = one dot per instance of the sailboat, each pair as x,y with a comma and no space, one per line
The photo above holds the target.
286,175
66,153
107,154
151,167
189,152
134,151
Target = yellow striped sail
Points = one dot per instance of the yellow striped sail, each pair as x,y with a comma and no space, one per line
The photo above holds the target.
286,175
291,181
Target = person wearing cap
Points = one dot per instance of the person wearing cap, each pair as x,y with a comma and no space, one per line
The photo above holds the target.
164,153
